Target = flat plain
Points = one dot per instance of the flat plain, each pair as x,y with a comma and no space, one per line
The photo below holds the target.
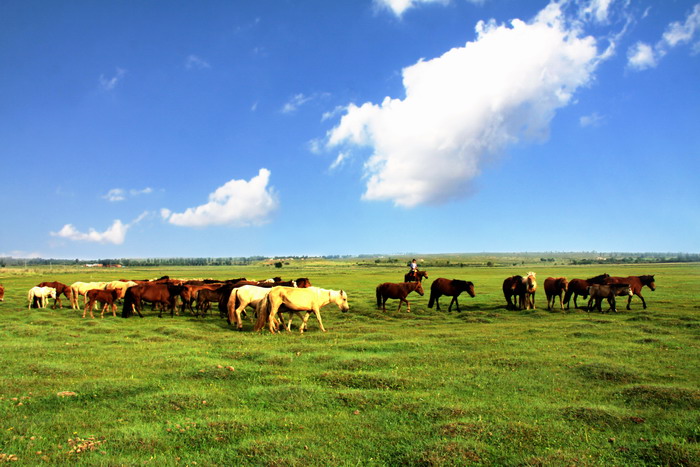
482,386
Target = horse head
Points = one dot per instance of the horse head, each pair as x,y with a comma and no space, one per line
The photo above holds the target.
470,289
341,300
419,288
648,281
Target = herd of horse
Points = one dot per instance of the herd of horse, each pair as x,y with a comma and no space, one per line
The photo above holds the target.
272,299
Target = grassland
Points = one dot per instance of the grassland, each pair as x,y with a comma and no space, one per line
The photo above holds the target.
484,386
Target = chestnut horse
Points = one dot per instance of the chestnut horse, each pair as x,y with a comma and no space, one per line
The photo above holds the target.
399,291
417,277
554,288
61,288
521,290
451,288
636,283
580,287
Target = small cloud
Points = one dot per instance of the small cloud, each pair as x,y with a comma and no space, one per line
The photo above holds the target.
339,160
399,7
115,194
115,234
294,103
593,120
641,56
108,84
237,203
195,62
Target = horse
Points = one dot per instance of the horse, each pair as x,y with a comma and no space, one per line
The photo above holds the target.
553,288
106,297
520,291
580,287
42,294
417,277
190,291
310,299
156,293
451,288
399,291
61,288
205,296
636,283
241,297
2,293
530,290
120,287
598,292
80,288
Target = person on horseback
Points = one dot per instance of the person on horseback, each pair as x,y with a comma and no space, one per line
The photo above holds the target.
414,269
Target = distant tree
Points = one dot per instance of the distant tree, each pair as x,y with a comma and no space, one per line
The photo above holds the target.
278,264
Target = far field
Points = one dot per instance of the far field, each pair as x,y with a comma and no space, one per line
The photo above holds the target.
484,386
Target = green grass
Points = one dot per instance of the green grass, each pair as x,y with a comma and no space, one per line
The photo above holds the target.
484,386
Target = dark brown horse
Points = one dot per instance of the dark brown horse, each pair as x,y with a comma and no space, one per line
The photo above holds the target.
417,277
636,283
398,291
580,287
609,291
60,289
206,296
520,291
157,293
553,288
451,288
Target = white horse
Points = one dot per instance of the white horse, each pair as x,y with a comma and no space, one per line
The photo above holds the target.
310,299
80,288
241,297
42,293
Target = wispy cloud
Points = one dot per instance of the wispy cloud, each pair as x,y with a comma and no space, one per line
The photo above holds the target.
109,83
592,120
295,102
115,234
642,56
195,62
237,203
120,194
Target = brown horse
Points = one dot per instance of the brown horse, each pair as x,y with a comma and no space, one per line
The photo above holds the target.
60,289
106,298
205,297
417,277
636,283
161,293
520,291
554,288
451,288
609,291
580,287
399,291
2,293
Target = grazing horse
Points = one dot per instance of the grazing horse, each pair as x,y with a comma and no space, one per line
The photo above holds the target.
157,293
417,277
598,292
80,288
636,283
60,289
451,288
399,291
241,297
553,288
205,297
580,287
310,300
107,298
42,294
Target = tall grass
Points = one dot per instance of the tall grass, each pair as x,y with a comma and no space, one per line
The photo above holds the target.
484,386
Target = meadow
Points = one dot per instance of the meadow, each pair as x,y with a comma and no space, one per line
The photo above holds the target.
484,386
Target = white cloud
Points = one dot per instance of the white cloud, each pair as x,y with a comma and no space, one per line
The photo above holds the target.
399,7
642,56
300,99
467,106
597,9
115,234
193,61
592,120
238,203
108,84
119,194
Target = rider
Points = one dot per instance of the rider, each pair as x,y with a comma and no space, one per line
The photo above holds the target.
414,269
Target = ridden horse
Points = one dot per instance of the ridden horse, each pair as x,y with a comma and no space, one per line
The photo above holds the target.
107,298
417,277
310,300
553,288
452,288
162,293
636,283
61,288
80,288
398,291
580,287
598,292
41,293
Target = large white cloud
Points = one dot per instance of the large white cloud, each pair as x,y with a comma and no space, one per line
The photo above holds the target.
466,106
238,203
115,234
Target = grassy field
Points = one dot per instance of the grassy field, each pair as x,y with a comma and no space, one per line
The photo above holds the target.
484,386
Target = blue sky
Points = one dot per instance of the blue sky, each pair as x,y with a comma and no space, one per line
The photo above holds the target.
216,128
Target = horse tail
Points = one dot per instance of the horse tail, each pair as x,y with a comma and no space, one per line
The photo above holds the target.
431,301
231,305
264,309
128,303
379,296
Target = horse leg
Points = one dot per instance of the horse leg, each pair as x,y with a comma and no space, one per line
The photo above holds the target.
317,312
